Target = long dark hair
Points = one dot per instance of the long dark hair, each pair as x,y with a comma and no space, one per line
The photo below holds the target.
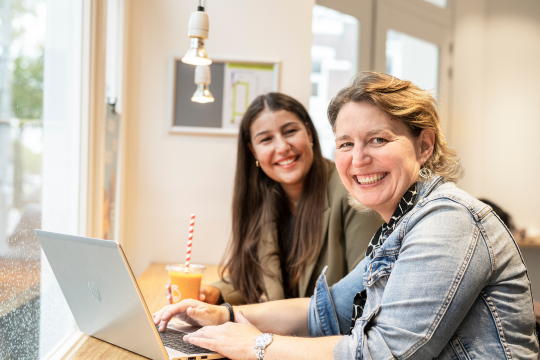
259,200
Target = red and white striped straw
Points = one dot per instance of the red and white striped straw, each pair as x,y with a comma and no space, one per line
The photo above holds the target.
190,240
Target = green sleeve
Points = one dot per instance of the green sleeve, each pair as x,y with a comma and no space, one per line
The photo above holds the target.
229,293
358,229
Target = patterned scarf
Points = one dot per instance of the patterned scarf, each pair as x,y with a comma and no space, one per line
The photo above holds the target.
405,205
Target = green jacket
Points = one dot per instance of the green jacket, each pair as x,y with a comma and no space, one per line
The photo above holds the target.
346,236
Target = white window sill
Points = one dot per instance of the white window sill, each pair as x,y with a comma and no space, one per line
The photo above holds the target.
69,347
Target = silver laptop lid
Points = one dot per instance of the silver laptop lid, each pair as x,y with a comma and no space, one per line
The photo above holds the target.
101,292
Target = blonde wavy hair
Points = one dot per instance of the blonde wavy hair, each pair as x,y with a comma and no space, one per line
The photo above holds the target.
405,101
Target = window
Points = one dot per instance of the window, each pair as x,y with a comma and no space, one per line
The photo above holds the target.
314,89
40,112
413,59
334,55
440,3
413,42
316,67
21,147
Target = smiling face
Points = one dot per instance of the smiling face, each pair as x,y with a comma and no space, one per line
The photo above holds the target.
282,145
377,157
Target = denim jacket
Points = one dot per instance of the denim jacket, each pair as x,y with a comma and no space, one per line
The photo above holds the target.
448,283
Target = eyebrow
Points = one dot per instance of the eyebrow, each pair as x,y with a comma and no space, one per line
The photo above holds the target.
375,132
261,133
268,131
342,137
368,134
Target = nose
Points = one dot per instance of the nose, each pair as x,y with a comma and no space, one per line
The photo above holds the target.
282,145
361,156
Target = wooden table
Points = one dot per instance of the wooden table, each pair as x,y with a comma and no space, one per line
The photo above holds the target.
528,243
152,284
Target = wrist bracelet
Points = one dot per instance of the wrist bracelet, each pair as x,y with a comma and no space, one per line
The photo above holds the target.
231,311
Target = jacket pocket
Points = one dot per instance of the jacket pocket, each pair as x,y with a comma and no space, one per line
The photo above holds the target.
459,349
380,266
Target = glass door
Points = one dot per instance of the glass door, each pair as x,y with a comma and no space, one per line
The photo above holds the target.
413,42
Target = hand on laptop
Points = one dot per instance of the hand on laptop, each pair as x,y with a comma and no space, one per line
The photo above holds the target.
233,340
208,293
193,312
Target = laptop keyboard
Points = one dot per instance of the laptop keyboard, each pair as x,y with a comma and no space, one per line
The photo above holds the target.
173,339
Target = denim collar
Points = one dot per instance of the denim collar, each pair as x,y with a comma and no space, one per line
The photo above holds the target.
426,187
414,194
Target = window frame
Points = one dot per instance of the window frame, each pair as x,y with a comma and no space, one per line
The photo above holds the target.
91,130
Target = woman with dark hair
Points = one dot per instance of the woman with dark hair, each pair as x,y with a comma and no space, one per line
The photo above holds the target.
290,212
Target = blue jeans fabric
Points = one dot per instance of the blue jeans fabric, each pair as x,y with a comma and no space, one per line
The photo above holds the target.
448,283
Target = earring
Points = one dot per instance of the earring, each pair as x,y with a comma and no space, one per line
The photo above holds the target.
257,163
425,173
311,144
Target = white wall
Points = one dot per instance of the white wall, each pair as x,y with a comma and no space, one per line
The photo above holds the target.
512,116
495,108
167,177
467,96
495,117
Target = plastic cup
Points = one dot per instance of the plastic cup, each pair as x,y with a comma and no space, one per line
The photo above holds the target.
185,284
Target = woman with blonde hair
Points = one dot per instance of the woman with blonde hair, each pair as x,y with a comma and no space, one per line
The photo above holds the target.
442,278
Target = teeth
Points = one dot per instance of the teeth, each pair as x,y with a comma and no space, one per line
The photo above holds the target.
370,179
287,162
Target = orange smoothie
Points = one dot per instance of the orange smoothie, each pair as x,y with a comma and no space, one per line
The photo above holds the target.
185,285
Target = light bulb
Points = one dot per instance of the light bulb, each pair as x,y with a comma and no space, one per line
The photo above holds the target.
202,94
196,54
198,32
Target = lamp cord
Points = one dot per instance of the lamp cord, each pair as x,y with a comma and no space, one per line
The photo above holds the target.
200,7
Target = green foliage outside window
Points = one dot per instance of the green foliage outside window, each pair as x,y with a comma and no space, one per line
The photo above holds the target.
27,88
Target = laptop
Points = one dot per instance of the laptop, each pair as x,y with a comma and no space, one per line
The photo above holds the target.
106,301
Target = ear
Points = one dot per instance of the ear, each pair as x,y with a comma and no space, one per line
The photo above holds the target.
426,141
251,149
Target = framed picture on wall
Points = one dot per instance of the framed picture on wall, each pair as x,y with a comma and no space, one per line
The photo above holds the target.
234,85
